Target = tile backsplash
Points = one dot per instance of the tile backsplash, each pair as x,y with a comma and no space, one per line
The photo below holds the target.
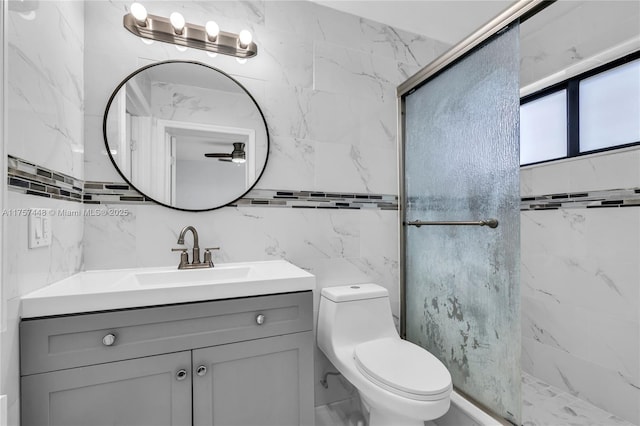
28,178
591,199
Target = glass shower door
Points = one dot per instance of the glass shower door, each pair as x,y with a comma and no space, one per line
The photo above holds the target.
461,164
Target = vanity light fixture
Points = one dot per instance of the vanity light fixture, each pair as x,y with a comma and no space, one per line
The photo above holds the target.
177,31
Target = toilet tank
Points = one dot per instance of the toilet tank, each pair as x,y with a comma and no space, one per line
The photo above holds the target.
354,314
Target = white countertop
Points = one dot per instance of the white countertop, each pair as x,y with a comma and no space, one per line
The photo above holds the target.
129,288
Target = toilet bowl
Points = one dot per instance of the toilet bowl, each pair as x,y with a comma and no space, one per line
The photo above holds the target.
401,384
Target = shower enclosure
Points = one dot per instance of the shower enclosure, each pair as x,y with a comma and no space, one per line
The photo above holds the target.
460,286
460,213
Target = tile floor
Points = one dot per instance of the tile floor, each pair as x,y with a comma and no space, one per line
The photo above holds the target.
341,413
542,405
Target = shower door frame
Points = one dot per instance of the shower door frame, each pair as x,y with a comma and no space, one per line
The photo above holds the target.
522,10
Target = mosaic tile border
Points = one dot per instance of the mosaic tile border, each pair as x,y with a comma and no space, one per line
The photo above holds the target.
112,193
318,200
32,179
591,199
29,178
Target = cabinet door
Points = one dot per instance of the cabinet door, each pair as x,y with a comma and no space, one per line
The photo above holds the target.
138,392
263,382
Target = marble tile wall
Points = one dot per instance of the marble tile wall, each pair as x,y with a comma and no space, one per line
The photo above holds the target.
325,81
45,125
574,32
580,277
46,84
543,404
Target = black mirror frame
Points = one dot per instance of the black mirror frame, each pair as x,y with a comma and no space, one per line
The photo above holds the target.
108,149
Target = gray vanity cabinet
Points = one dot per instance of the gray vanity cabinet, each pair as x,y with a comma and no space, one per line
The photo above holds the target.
257,383
138,392
246,361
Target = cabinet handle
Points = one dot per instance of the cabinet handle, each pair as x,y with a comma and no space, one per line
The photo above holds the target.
109,339
260,319
181,374
201,370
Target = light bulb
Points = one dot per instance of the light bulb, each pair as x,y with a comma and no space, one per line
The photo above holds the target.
245,38
181,48
177,21
212,54
212,30
139,14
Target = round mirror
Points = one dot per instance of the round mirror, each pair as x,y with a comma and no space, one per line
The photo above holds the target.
186,135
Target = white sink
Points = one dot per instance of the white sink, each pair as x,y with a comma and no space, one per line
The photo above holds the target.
219,274
129,288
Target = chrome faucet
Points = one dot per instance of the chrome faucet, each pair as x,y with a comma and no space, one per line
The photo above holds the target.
195,262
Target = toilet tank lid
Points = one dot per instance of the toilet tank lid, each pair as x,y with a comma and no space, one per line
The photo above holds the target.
354,292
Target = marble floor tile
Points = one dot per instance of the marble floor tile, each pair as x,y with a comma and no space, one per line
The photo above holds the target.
542,405
342,413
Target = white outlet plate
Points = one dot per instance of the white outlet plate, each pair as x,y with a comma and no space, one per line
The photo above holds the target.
40,228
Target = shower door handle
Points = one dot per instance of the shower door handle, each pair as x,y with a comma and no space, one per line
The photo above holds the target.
491,223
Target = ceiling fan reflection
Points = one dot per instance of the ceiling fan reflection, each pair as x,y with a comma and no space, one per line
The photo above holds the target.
238,155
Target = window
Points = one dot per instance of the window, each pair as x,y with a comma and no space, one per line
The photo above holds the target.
595,111
543,128
610,108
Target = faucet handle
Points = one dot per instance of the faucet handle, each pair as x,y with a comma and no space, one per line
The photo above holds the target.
207,255
184,257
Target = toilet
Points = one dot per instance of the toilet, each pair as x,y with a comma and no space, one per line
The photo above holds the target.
400,384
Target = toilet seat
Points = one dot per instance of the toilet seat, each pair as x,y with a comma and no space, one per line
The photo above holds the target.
403,368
